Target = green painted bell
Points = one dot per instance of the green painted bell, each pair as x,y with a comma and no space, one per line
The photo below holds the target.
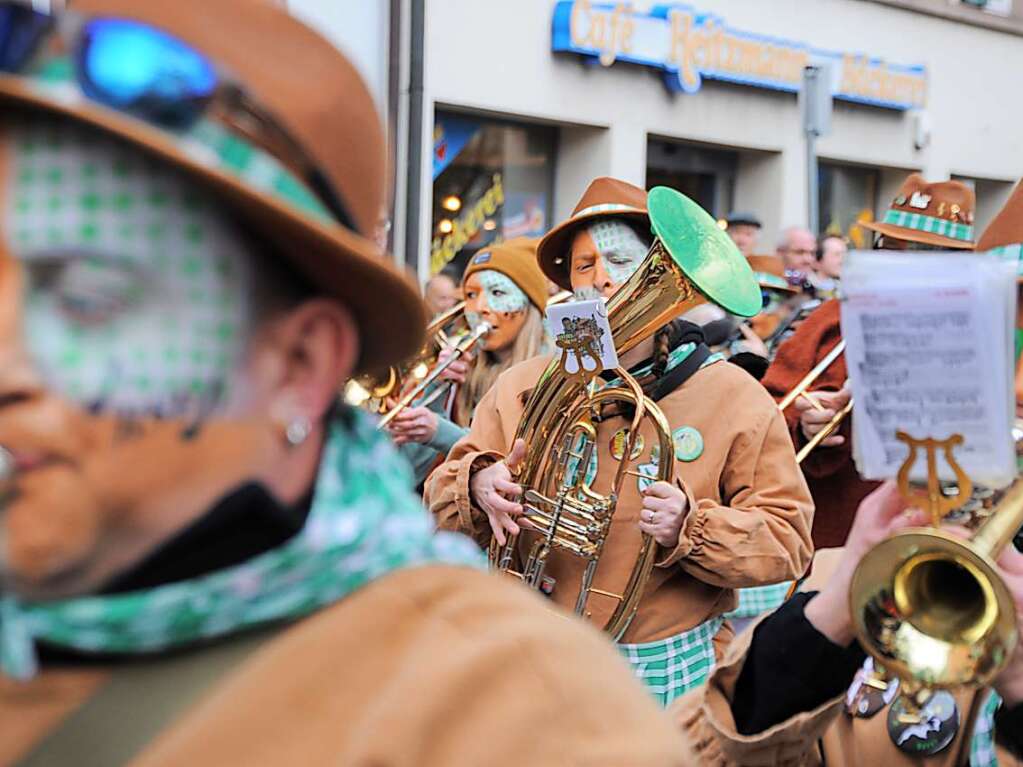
703,251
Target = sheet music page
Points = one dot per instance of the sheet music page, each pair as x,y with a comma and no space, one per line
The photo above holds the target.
929,352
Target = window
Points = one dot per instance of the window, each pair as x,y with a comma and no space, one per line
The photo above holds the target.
492,180
848,194
704,174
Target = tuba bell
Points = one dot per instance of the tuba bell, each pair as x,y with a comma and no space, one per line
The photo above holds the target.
691,261
932,609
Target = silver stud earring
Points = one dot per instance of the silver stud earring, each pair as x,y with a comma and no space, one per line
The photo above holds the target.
297,431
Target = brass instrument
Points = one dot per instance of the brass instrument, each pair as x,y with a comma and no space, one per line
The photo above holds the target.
465,345
372,390
691,261
800,390
931,607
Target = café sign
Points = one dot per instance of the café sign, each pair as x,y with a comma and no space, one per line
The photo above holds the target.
689,46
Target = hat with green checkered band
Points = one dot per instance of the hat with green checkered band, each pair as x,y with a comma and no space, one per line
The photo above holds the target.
308,88
1004,235
938,214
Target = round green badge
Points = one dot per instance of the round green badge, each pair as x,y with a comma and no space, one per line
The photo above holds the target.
688,443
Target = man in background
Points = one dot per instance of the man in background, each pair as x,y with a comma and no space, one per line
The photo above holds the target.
441,291
744,229
797,249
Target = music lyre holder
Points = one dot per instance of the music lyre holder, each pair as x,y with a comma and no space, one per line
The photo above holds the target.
937,504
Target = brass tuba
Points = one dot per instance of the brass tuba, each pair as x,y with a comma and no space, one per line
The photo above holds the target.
932,609
691,261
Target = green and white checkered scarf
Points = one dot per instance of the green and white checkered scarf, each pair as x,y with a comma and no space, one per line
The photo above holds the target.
364,523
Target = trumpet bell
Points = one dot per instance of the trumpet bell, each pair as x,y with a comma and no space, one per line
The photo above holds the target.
933,609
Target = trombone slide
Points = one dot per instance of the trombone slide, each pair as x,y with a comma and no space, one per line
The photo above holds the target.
463,346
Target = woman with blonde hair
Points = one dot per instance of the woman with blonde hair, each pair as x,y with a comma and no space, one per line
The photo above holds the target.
503,287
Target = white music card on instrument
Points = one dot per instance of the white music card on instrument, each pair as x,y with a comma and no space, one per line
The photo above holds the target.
930,352
581,332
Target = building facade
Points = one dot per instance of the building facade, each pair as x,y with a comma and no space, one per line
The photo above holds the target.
504,110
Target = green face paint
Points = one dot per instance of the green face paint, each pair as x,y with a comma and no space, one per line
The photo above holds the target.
620,248
137,284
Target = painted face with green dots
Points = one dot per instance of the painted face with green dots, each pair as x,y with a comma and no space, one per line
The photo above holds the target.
137,286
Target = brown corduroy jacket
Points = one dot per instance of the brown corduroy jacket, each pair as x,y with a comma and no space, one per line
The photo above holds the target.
433,666
824,736
750,511
835,485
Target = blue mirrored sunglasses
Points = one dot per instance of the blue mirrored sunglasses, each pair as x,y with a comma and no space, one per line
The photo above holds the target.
140,70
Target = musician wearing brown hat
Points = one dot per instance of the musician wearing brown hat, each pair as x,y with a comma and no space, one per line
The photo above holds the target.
924,216
504,288
738,517
205,558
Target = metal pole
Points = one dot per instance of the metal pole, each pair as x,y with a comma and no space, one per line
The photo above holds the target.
816,107
414,188
812,184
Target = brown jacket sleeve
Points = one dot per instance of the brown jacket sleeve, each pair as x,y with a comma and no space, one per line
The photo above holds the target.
705,718
760,533
795,358
446,492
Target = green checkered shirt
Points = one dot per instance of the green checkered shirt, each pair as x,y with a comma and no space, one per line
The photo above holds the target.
673,666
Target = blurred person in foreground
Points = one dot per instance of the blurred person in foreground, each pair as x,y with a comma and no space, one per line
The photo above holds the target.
206,558
798,689
924,215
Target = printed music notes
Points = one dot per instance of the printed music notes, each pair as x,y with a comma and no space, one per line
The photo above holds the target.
929,348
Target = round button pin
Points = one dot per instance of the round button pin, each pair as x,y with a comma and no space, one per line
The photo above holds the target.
618,444
688,443
927,731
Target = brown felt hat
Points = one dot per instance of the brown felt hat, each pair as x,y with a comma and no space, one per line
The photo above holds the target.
1004,235
515,258
604,198
938,213
770,273
310,88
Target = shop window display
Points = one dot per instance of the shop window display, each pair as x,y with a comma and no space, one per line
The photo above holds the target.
492,181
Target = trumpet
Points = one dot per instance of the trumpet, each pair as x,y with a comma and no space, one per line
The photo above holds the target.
800,389
932,609
690,262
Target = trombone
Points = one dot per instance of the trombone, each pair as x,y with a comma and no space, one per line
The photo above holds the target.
372,390
463,346
427,367
800,390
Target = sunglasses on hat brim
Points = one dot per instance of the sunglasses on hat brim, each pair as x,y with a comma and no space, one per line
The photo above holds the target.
142,71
